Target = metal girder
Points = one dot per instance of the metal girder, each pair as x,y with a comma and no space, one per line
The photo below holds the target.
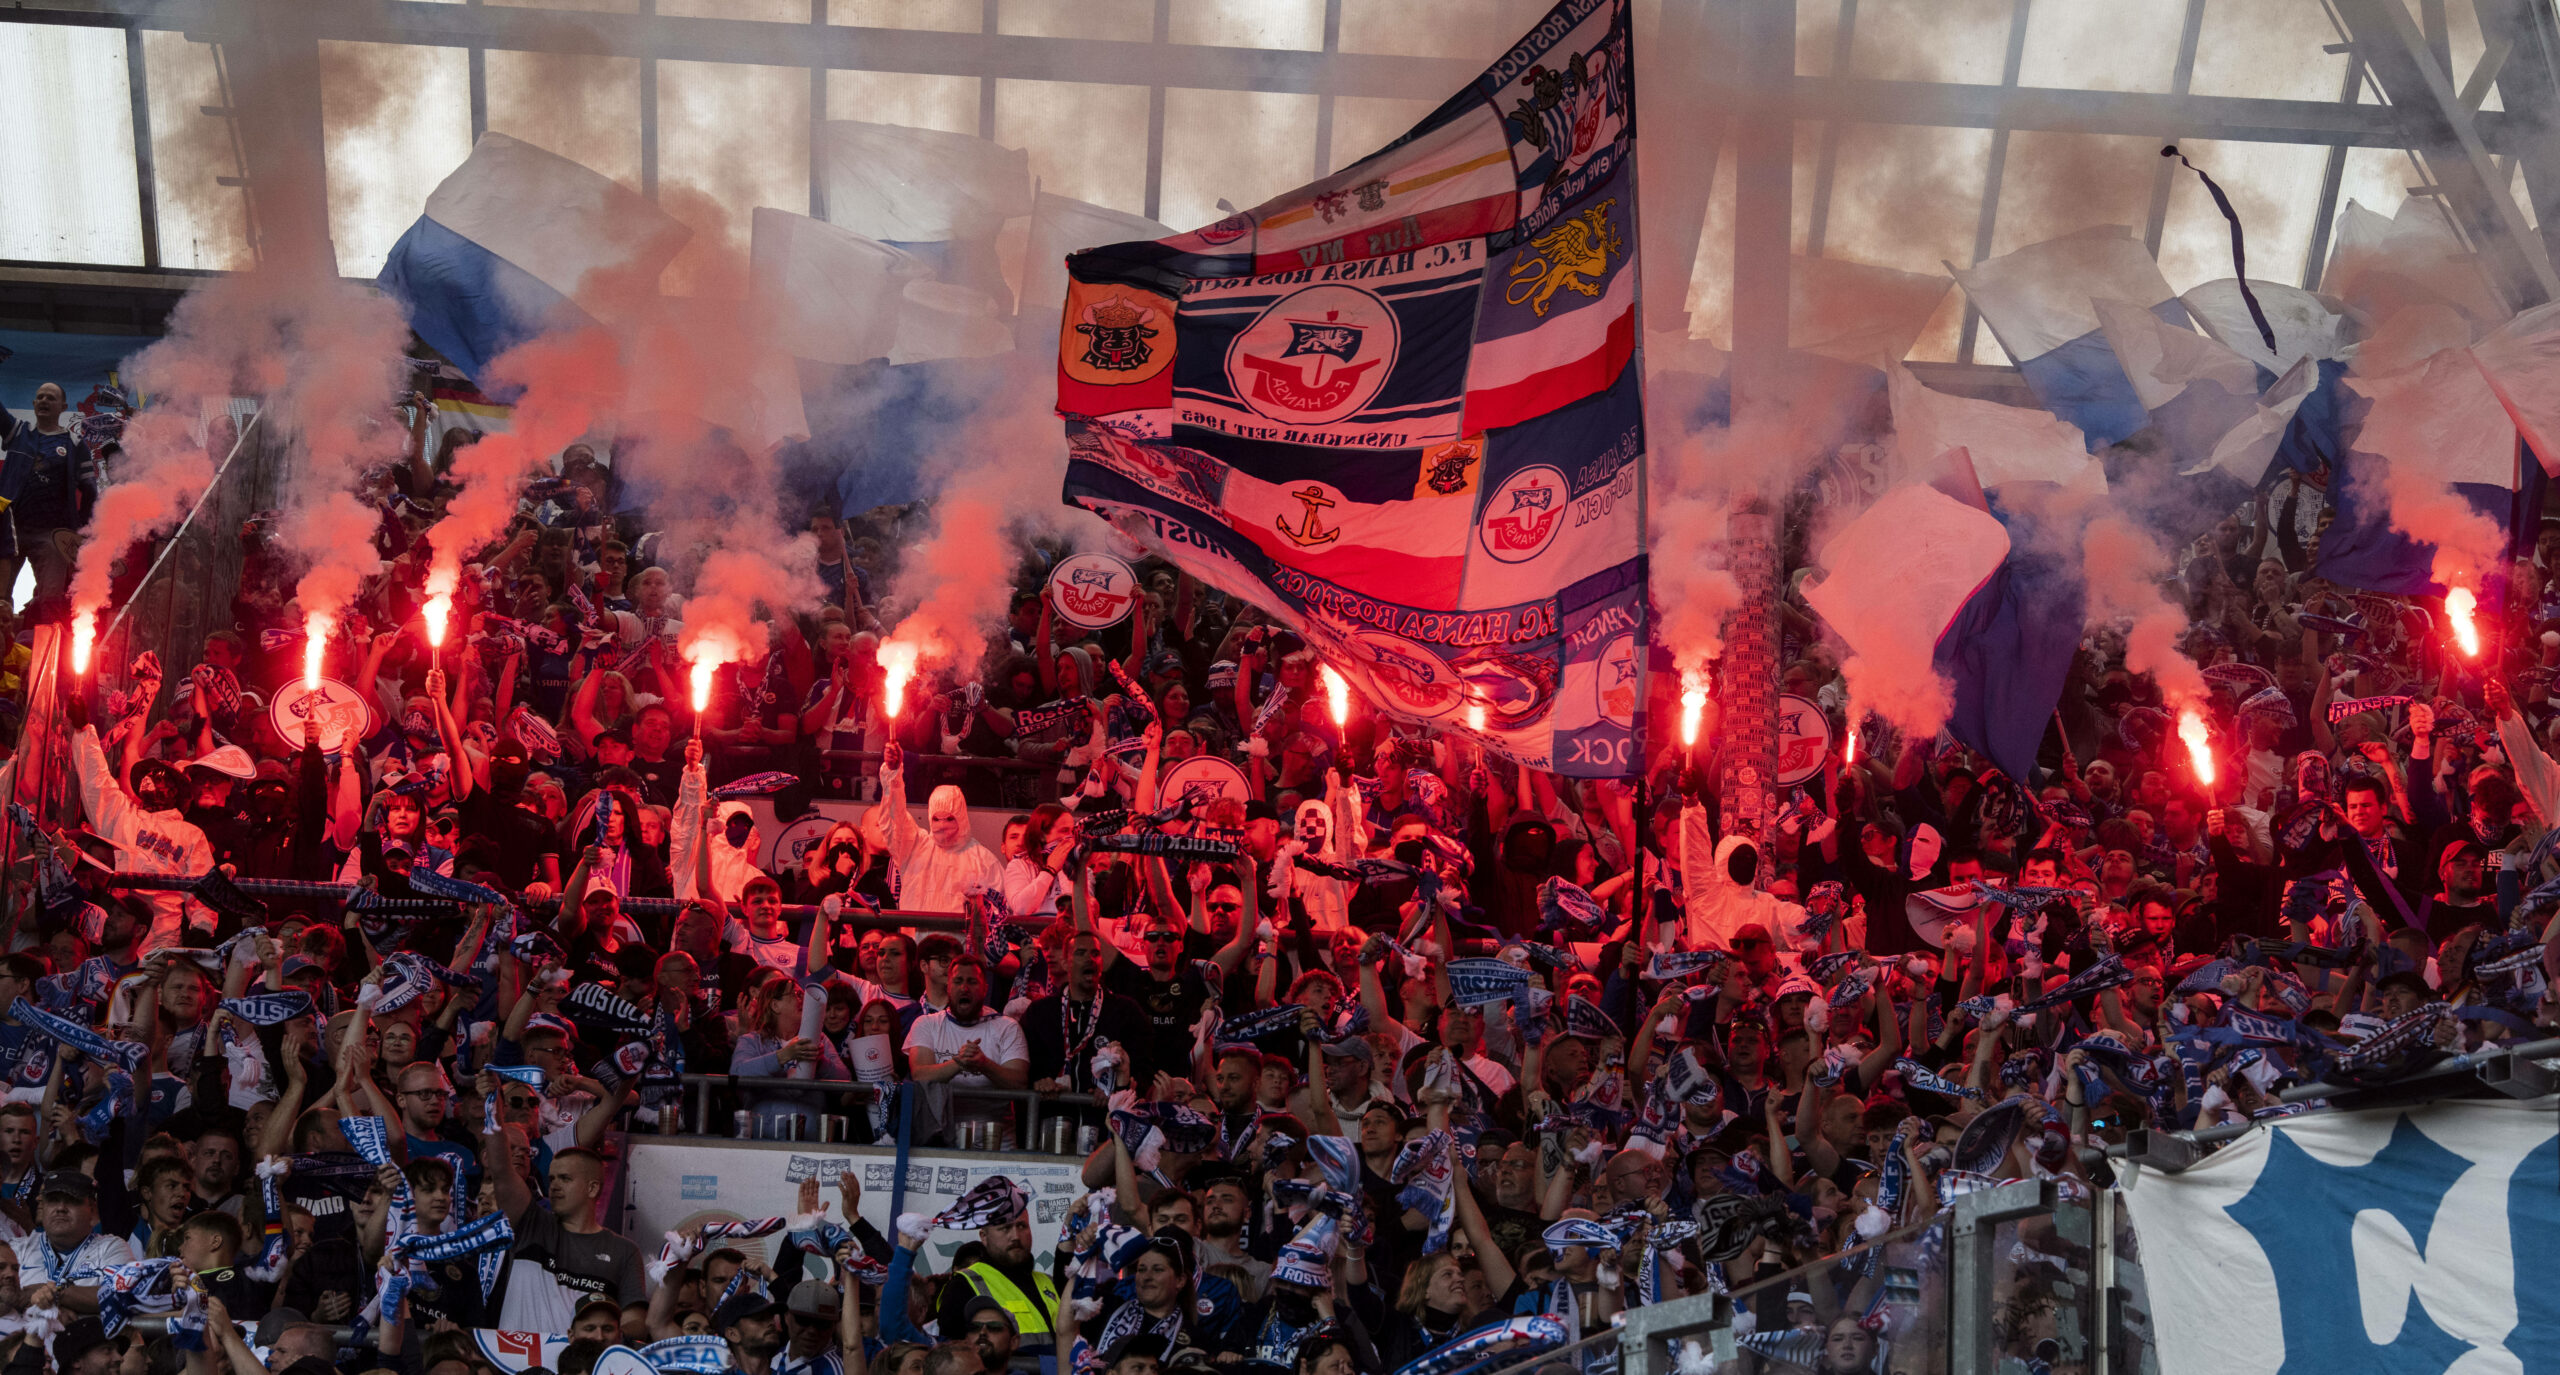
2530,80
2447,137
2149,114
840,46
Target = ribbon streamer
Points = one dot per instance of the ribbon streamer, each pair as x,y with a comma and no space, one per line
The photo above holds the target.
2239,248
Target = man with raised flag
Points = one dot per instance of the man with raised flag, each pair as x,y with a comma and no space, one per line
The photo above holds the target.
1394,408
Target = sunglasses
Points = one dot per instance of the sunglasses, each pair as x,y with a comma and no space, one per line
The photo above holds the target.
522,1104
1154,937
1226,907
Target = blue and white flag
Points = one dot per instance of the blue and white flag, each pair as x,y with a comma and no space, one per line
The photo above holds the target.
1925,581
2040,302
2445,1210
516,241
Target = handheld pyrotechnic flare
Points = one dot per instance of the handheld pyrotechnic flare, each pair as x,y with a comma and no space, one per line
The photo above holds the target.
1475,716
1337,695
703,668
84,638
315,648
1849,744
1693,706
2199,751
2458,607
897,669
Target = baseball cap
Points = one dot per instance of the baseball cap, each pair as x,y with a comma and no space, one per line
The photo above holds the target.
1351,1048
743,1305
815,1299
69,1184
230,761
1749,931
983,1304
1146,1344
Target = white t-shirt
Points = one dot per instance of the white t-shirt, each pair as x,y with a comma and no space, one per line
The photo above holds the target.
781,953
996,1034
38,1263
1483,1066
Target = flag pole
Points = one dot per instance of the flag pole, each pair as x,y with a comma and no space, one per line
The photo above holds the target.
1641,746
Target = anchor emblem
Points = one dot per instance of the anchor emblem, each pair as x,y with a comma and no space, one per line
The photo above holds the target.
1313,498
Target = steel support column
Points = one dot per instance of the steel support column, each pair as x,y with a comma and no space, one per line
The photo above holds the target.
1764,190
1971,1233
2446,137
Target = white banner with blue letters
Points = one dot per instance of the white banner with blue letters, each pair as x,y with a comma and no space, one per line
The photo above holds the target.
2403,1241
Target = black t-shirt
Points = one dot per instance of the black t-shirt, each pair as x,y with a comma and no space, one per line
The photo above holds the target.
1170,1007
1044,1029
522,837
2444,916
658,780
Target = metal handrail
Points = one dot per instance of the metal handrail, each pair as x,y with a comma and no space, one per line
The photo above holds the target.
853,917
974,761
2452,1068
1032,1102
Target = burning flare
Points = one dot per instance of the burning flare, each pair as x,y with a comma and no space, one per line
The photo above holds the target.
2458,606
2191,729
436,611
1849,745
84,638
702,671
1337,695
1693,706
315,647
1475,716
897,668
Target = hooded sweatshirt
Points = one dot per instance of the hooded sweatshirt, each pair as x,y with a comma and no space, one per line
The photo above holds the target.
731,865
1720,902
933,877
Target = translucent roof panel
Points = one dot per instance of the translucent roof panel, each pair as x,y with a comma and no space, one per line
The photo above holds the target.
203,223
398,120
584,108
66,147
1911,198
730,138
1240,146
1086,141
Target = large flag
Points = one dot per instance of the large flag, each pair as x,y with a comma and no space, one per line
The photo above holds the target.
2040,304
1394,407
1928,577
517,241
2441,418
2399,1239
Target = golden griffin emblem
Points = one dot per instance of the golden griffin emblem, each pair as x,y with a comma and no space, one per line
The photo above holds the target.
1568,258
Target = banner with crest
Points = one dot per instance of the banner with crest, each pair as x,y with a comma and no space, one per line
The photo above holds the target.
1395,408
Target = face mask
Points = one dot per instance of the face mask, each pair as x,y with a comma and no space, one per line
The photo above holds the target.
736,829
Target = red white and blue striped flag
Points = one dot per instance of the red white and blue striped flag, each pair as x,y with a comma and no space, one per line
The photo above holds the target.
1395,408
